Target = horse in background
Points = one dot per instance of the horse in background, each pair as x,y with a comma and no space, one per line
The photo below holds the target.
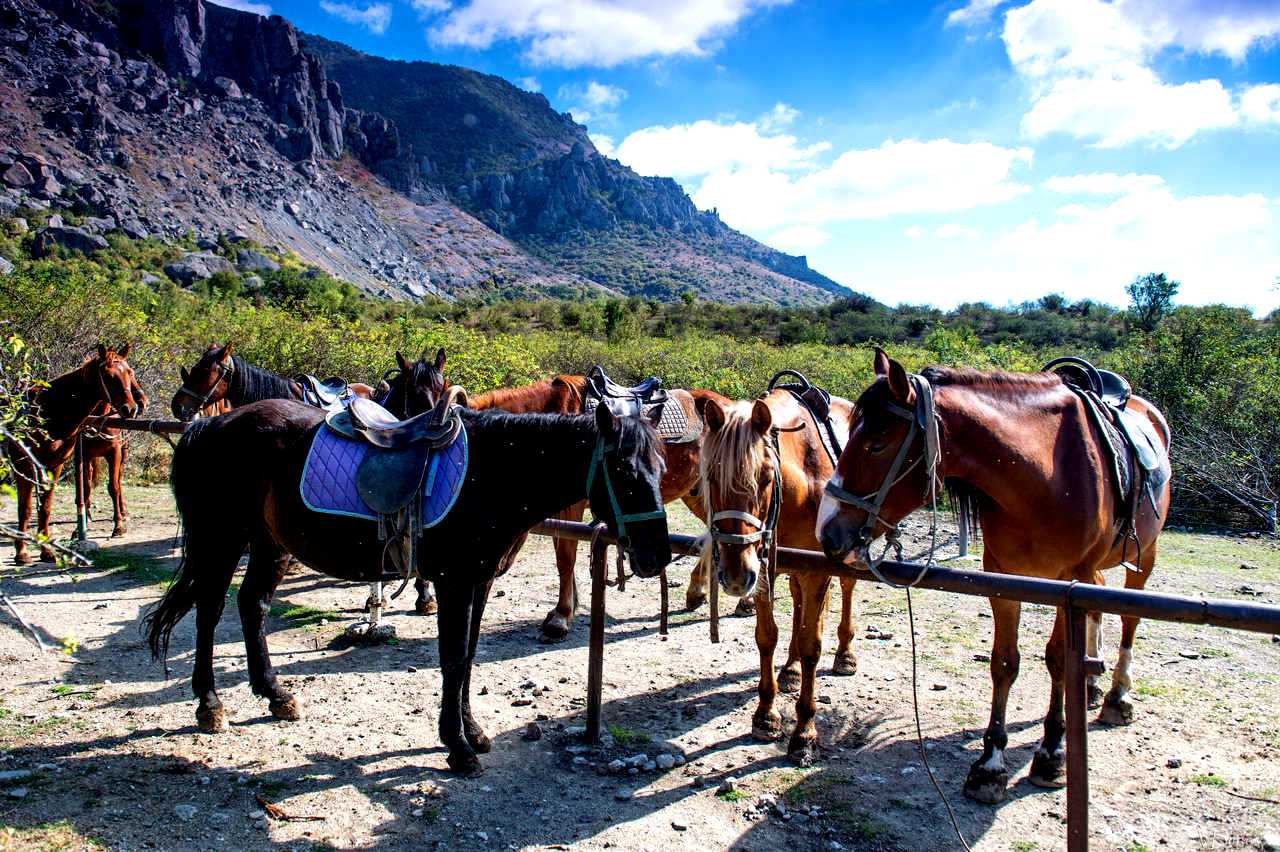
105,446
102,383
1030,458
763,469
521,469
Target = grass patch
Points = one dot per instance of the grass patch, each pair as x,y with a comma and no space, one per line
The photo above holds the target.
731,796
1024,845
301,615
53,836
1221,554
144,569
273,787
1208,779
15,727
65,689
628,738
1214,652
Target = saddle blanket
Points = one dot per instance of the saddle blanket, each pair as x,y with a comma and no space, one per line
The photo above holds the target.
328,482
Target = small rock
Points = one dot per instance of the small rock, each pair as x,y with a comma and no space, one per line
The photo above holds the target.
482,836
18,793
728,785
884,637
1189,655
1173,762
624,795
11,775
1271,841
824,699
522,702
616,765
939,687
532,732
665,761
579,760
679,826
982,658
418,812
186,813
411,669
650,766
1245,566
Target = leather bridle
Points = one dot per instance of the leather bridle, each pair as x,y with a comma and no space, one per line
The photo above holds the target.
202,400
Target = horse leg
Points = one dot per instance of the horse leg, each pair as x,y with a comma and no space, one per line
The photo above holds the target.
789,677
454,620
214,562
268,562
115,487
1092,647
557,623
471,729
426,602
1116,707
846,662
988,776
766,724
44,511
695,594
815,591
25,489
1050,757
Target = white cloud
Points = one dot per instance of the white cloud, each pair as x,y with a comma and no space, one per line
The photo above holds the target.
952,231
604,144
263,9
375,17
427,8
798,238
593,102
1102,183
529,84
1089,67
1261,104
572,33
973,12
782,115
704,147
913,232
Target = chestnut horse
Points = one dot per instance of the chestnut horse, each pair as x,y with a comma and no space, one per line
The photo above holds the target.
104,382
752,449
221,377
106,445
1025,451
568,395
522,469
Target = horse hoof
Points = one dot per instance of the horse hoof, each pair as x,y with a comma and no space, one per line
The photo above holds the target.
294,567
803,751
845,664
23,559
465,764
745,607
986,785
118,531
479,741
1047,770
766,728
1116,711
211,720
694,599
287,709
555,627
427,607
1095,696
789,680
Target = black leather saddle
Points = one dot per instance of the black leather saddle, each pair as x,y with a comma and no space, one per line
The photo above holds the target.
647,393
327,393
1111,388
817,400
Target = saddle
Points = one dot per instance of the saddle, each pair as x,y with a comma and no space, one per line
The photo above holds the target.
1138,458
648,396
818,402
329,394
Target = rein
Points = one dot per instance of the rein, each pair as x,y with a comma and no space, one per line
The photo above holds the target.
598,461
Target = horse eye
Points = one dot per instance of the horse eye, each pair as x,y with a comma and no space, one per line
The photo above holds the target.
877,448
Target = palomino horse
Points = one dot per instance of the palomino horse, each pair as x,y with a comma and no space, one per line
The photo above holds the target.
1023,449
109,446
221,377
763,470
522,469
104,382
568,395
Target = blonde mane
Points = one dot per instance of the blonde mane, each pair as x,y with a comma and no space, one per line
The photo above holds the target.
732,457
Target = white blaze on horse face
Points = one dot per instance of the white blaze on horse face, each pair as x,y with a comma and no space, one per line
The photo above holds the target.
828,508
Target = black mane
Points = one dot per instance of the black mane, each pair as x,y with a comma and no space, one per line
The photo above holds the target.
252,384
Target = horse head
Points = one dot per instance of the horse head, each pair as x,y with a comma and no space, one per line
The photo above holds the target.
116,380
205,384
624,488
412,388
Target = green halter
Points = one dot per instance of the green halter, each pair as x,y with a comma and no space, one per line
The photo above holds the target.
597,460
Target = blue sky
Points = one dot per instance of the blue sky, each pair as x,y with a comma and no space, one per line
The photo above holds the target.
963,150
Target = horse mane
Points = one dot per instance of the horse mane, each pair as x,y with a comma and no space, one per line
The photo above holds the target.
736,451
253,384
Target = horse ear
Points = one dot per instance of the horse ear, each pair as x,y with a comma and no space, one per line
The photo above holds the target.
881,362
226,351
186,377
713,413
404,365
123,352
761,417
440,360
607,421
102,352
899,383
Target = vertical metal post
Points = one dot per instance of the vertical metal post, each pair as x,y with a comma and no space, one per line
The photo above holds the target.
963,527
81,476
595,640
1077,732
662,623
713,582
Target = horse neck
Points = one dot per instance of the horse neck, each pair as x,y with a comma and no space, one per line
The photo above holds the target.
250,383
540,468
69,400
537,397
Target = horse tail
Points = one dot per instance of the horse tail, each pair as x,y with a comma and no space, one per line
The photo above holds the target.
188,476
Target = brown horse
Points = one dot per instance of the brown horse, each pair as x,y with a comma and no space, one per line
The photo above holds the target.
105,445
753,451
568,395
219,377
1024,450
105,381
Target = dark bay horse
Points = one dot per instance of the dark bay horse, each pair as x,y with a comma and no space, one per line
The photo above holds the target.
567,395
222,378
523,468
104,382
764,465
1026,452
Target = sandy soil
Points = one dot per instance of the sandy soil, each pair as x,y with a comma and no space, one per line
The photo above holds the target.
116,759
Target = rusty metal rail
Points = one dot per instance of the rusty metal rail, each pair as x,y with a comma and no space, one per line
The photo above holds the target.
1076,599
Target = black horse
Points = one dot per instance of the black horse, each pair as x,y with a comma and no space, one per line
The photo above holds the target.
235,480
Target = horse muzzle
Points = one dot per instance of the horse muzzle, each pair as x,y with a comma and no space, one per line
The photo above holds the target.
841,538
649,562
738,587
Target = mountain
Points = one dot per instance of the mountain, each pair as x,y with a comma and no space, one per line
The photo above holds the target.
170,117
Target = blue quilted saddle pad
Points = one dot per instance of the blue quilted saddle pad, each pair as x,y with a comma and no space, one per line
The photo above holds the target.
328,483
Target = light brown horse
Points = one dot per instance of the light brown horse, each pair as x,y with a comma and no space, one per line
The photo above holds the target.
752,448
105,381
568,395
1024,449
104,445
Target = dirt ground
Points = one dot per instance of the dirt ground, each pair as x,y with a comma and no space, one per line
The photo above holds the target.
116,761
